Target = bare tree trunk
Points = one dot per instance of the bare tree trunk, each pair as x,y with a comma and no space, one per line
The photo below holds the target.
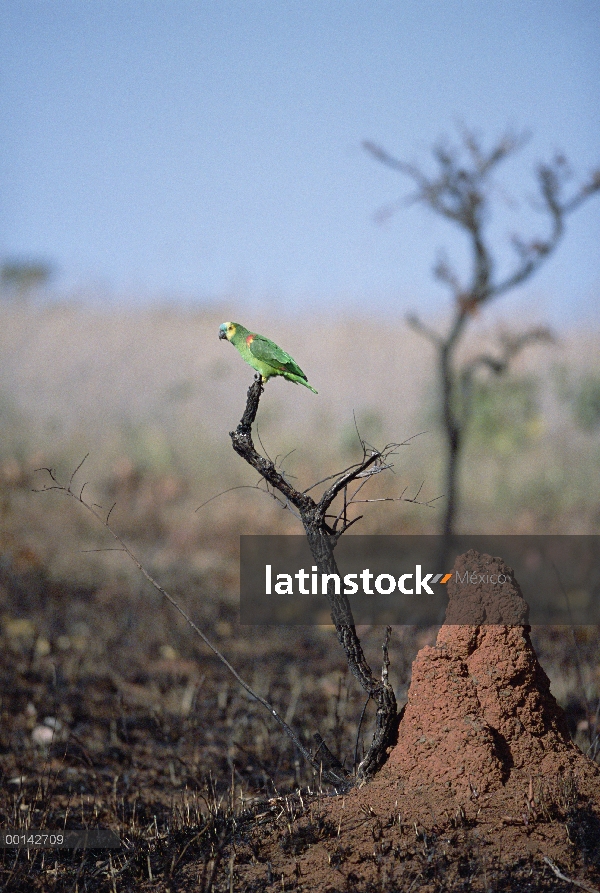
452,429
451,491
386,722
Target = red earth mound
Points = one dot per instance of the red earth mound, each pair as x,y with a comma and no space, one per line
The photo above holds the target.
484,777
479,708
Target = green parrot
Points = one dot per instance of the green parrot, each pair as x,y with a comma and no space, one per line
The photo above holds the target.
263,355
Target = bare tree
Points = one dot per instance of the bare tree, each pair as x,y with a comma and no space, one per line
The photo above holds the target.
461,191
323,527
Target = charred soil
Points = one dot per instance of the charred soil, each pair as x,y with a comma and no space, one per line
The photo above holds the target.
104,724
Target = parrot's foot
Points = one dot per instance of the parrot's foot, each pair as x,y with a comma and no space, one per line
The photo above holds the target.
259,379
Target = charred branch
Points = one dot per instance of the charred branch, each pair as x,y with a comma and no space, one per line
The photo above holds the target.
322,539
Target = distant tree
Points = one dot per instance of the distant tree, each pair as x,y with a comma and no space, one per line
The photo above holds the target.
20,278
461,191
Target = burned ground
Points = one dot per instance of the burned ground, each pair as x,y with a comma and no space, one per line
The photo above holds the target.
105,725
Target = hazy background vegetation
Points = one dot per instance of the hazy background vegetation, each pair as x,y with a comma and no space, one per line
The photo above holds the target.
151,395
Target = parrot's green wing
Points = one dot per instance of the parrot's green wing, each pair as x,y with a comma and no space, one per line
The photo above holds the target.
268,352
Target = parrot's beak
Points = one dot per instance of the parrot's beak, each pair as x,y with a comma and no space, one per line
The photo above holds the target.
222,334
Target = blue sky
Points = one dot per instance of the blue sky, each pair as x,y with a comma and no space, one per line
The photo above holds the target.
212,150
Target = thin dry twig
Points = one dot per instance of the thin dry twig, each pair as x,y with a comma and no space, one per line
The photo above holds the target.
68,490
569,880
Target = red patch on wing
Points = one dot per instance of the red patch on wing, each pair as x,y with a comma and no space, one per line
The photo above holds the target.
249,339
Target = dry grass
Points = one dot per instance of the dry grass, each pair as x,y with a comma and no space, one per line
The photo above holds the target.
156,390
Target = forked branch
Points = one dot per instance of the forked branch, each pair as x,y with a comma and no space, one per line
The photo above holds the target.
322,539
